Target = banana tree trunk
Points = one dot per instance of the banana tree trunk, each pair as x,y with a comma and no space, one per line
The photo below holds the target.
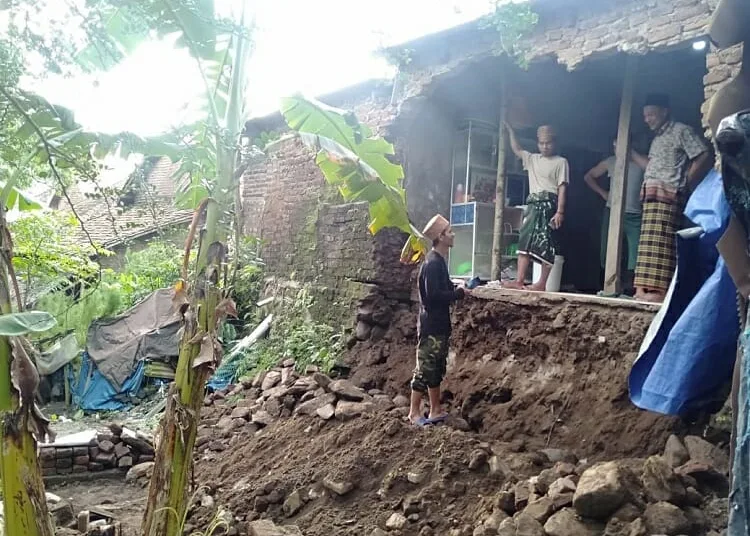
168,492
168,500
24,505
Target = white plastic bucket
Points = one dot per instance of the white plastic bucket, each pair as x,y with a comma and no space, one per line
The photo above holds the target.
553,282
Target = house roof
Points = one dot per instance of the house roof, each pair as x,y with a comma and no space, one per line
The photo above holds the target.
450,37
471,26
341,98
133,208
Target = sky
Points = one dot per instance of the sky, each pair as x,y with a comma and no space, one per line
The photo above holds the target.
312,47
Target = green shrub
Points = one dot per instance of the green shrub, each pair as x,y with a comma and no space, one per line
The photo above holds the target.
249,278
101,301
157,266
294,334
149,269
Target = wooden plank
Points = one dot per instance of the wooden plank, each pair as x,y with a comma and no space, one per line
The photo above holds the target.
66,383
502,150
550,299
612,275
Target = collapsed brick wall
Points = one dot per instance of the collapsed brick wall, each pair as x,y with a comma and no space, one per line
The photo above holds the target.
310,236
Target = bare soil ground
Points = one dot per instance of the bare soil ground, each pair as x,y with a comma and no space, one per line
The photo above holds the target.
126,502
524,368
526,376
375,452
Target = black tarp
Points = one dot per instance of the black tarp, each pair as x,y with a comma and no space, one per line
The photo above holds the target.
149,330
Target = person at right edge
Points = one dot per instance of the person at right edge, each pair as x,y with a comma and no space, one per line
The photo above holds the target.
729,121
677,161
436,294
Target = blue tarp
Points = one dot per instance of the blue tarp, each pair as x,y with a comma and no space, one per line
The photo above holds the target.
688,353
225,374
93,392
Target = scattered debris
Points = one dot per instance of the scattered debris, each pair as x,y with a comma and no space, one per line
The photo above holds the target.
460,486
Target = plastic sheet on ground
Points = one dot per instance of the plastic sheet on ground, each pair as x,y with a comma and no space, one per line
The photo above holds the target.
60,354
227,371
688,353
148,330
93,392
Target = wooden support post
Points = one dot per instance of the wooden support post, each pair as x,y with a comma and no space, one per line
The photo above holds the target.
502,144
612,275
66,383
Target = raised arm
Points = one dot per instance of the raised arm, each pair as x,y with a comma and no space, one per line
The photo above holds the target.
592,177
514,145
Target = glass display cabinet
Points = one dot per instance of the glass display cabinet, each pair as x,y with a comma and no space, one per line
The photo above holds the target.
473,180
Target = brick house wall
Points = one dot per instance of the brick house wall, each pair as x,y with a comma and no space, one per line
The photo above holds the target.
309,236
575,31
723,66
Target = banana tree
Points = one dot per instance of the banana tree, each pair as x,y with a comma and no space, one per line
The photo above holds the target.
45,137
22,421
358,164
206,179
40,140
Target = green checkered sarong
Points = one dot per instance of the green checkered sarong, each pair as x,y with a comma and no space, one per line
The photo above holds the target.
537,239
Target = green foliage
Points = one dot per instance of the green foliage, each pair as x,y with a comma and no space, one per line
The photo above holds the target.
46,252
104,300
295,334
249,278
146,270
219,46
513,22
358,164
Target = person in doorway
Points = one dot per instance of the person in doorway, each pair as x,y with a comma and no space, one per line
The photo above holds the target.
545,206
632,218
436,294
677,161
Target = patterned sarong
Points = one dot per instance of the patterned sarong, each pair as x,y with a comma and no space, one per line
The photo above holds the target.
537,239
657,247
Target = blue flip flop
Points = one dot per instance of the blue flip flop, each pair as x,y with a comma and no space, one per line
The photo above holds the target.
422,422
438,420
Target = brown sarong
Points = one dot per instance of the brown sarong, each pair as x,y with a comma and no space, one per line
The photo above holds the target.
657,254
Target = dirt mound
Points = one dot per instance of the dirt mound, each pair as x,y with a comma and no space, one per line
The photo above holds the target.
533,369
376,454
535,384
268,457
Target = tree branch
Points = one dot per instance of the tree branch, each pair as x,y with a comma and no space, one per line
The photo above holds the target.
55,171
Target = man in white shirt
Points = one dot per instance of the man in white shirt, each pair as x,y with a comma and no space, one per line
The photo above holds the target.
545,206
